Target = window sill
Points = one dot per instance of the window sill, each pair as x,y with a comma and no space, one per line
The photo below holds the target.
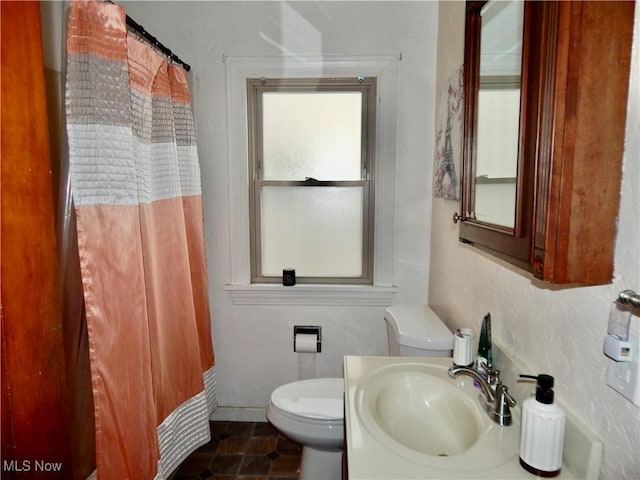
311,294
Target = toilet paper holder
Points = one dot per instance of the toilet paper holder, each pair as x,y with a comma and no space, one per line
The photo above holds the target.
309,330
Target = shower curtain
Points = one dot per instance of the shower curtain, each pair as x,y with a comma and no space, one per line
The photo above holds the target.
135,183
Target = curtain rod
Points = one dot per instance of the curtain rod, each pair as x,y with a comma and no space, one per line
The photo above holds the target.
154,41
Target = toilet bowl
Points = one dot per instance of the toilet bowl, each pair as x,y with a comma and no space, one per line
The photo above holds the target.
311,412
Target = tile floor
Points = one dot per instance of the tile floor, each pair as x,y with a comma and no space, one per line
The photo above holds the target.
242,451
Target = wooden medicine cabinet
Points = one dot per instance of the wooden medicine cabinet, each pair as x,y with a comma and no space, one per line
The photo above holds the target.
546,87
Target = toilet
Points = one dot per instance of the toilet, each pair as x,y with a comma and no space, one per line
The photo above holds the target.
311,412
416,331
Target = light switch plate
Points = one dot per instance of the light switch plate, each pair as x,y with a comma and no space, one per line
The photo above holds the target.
624,377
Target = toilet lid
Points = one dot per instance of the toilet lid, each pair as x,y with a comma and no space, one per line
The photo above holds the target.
319,398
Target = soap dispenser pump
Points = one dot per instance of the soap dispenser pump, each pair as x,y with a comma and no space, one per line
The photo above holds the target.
542,430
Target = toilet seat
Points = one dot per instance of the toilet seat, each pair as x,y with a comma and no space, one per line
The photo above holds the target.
311,413
317,399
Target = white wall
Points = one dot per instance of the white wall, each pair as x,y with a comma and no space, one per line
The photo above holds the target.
253,344
559,331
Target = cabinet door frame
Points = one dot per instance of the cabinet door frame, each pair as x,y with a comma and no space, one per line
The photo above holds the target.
513,245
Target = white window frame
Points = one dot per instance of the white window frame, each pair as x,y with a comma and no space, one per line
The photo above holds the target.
238,70
256,88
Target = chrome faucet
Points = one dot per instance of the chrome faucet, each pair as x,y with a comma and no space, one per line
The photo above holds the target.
494,395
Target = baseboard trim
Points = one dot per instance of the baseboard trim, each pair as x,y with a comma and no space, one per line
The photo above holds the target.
239,414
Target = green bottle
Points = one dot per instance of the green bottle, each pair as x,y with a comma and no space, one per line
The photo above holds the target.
484,346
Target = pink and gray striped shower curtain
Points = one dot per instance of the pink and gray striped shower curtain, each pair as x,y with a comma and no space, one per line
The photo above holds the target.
135,181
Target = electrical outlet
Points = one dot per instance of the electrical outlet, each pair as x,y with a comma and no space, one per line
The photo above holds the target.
624,377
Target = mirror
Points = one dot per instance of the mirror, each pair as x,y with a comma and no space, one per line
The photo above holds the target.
492,196
536,199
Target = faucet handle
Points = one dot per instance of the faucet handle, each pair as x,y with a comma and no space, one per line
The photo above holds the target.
493,376
503,404
507,396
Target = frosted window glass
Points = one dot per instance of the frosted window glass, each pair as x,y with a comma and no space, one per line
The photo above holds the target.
314,134
316,230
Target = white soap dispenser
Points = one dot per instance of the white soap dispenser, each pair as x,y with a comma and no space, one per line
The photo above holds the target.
542,430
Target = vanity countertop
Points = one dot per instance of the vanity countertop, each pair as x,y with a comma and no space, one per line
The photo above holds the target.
368,458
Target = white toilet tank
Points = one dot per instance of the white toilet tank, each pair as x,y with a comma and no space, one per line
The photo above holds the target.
416,331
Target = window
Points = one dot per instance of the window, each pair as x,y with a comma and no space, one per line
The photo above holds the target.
311,185
242,290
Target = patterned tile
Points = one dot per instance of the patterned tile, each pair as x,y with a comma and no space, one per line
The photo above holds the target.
242,451
233,445
288,465
226,464
288,446
264,429
194,464
240,429
261,445
255,465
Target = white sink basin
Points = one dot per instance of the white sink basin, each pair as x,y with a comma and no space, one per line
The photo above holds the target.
415,410
406,419
421,412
